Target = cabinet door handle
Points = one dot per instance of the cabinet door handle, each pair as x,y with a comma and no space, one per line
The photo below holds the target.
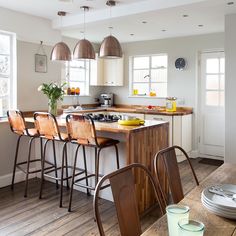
156,118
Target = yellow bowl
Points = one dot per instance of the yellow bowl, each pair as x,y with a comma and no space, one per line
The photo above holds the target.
131,122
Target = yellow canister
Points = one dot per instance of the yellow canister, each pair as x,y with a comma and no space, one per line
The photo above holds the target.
171,104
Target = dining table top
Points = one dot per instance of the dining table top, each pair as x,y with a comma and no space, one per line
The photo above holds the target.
214,225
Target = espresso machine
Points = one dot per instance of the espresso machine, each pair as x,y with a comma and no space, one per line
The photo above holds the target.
107,99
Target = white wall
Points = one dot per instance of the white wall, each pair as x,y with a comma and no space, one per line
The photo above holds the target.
30,31
28,28
28,98
230,86
181,84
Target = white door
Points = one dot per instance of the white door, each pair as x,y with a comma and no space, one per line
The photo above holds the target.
212,116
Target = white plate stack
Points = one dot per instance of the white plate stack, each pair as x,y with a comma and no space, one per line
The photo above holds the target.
218,204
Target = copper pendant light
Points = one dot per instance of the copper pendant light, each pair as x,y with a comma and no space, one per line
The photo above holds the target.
84,49
61,51
110,47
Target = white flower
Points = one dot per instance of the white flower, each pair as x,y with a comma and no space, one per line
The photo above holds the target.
40,88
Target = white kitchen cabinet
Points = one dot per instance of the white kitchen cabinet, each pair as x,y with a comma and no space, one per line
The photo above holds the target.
96,72
107,72
180,131
163,118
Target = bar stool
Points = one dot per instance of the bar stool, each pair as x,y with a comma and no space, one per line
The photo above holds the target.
47,127
18,126
81,131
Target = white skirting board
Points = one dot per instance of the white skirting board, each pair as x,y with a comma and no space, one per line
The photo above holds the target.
5,180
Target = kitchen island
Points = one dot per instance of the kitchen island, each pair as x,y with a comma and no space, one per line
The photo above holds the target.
138,144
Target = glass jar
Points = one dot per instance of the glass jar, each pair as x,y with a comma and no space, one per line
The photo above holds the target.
171,104
77,91
72,91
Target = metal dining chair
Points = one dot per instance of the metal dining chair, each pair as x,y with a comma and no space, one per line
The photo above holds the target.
168,157
122,184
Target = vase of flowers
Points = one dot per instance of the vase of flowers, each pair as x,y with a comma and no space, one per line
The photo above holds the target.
54,92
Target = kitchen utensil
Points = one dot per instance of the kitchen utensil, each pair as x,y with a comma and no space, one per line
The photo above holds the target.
219,191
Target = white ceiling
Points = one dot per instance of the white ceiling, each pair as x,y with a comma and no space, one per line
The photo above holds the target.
164,17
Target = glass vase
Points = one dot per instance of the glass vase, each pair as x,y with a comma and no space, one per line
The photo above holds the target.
52,106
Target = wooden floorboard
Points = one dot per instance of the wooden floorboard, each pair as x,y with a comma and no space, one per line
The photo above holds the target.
31,216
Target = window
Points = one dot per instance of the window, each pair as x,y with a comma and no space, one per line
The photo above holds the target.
215,79
77,75
149,75
7,72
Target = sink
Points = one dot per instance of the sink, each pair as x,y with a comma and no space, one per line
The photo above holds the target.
79,108
90,108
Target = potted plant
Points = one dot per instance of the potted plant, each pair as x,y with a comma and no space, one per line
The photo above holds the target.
54,92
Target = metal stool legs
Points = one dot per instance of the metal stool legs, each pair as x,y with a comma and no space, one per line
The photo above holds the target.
43,166
73,178
27,171
15,161
28,166
74,174
64,165
97,159
55,162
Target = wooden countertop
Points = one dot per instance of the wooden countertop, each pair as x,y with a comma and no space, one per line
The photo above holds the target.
139,109
214,225
113,127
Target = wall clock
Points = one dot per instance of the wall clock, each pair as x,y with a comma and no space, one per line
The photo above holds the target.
180,63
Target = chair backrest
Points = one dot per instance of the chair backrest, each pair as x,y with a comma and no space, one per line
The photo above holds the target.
168,157
81,129
16,122
46,125
122,184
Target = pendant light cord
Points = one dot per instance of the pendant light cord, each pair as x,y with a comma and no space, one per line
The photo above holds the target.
41,49
84,23
110,26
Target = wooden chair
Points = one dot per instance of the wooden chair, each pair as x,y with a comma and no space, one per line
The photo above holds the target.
168,157
81,131
47,127
18,127
122,184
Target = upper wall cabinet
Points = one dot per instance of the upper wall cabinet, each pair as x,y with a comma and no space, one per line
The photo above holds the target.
107,72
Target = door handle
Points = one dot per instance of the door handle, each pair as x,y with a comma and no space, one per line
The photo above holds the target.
157,118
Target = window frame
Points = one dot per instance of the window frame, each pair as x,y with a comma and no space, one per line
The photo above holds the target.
12,72
131,75
86,81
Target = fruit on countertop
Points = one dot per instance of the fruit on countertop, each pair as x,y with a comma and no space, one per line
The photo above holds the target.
152,94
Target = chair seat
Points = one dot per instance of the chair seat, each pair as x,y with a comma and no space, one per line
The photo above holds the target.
106,141
64,137
101,141
32,132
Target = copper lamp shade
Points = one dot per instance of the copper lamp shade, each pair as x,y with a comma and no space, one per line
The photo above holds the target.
110,48
84,50
61,52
